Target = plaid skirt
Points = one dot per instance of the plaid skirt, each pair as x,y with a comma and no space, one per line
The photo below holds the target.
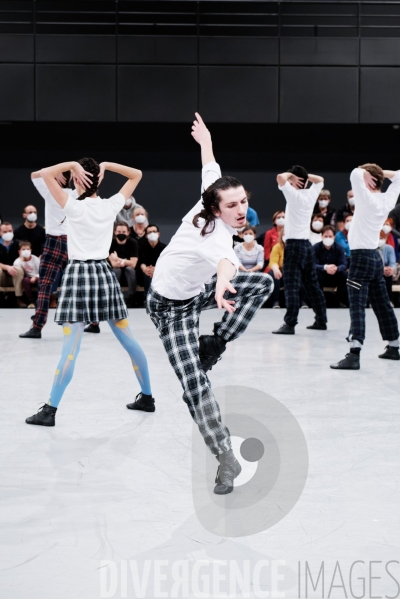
90,292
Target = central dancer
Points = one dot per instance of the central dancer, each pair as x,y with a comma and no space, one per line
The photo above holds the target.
193,274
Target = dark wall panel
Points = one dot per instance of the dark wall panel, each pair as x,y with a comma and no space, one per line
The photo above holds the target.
319,51
157,93
16,48
319,95
157,50
239,94
380,52
76,48
75,93
380,90
238,50
16,92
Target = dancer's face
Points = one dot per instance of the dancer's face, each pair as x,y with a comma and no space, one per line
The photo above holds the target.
233,206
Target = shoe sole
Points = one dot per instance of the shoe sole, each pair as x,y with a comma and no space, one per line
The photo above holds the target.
340,368
387,358
150,409
40,423
279,333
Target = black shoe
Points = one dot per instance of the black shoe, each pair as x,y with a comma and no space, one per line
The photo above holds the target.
285,329
390,353
92,328
318,326
143,402
228,469
350,362
46,416
32,334
210,349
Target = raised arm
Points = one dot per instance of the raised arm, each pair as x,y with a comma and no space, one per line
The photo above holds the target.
51,174
132,174
315,179
297,182
203,137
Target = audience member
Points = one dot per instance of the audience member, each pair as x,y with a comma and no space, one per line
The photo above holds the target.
30,265
150,248
331,264
31,231
1,219
272,235
341,237
10,275
249,252
391,239
252,217
238,238
126,214
348,208
316,226
395,216
123,258
389,262
323,207
140,219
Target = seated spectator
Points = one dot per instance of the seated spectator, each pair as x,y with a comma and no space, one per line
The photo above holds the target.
252,217
10,275
1,219
331,264
126,214
391,239
150,248
123,258
389,262
395,216
250,254
348,208
341,236
272,235
238,238
323,207
30,265
31,231
140,219
316,226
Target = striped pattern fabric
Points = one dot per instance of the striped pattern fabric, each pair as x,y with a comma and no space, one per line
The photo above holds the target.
177,322
90,292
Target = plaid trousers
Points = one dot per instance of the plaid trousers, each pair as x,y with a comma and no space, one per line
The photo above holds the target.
366,280
178,325
299,268
53,259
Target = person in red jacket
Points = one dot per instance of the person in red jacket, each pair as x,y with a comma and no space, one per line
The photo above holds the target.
272,236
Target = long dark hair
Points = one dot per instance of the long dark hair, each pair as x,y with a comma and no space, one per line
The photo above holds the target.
91,166
211,200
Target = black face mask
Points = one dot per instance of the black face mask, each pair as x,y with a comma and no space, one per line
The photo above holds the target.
121,236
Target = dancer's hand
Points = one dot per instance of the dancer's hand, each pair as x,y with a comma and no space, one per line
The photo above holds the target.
82,177
61,180
103,166
370,181
199,131
223,284
297,182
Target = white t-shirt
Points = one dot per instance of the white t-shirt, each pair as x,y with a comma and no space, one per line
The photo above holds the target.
30,267
299,209
90,226
190,259
53,213
315,237
371,211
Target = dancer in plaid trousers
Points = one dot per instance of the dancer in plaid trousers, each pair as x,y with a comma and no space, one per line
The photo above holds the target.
194,273
366,278
299,265
90,291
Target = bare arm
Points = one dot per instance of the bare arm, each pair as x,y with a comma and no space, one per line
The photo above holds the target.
389,174
203,137
132,174
315,179
51,173
283,177
225,272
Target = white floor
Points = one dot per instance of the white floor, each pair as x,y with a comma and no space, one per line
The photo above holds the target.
108,483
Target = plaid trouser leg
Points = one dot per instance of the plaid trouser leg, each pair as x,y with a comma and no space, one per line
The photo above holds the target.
252,290
292,283
53,259
380,303
178,327
314,292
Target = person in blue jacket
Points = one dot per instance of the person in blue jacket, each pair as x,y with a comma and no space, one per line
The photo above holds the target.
389,262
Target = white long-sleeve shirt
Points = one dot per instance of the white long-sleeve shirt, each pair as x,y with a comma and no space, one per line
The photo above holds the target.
371,211
190,259
299,209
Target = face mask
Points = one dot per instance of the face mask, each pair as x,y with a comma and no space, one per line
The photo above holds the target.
317,225
31,217
323,203
351,202
347,225
128,202
386,229
8,236
140,219
240,230
152,236
328,241
280,221
26,253
283,238
381,242
121,236
248,238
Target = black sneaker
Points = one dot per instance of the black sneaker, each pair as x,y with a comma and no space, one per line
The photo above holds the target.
92,328
350,362
46,416
210,349
228,469
318,326
285,329
390,353
32,334
143,402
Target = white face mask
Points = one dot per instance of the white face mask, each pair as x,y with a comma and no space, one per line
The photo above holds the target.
317,225
26,253
328,241
152,236
8,236
248,238
386,229
32,217
381,242
128,202
323,203
140,219
347,225
351,202
283,238
280,221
